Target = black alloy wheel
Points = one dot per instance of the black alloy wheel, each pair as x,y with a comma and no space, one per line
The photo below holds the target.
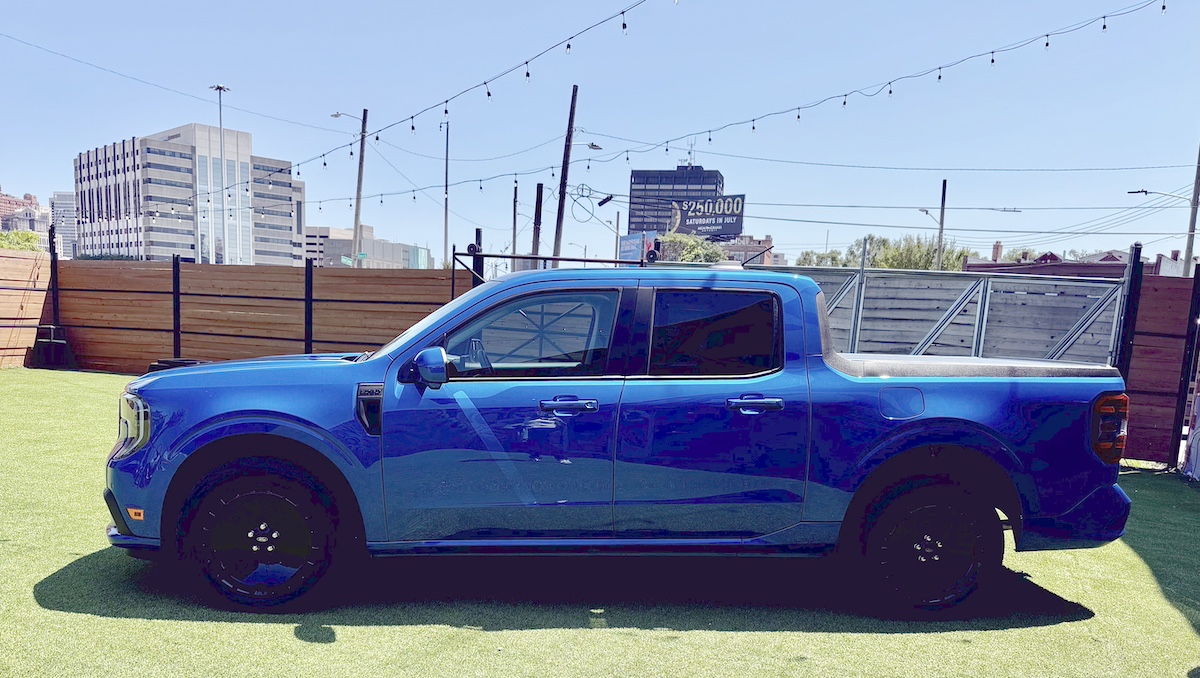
930,547
261,539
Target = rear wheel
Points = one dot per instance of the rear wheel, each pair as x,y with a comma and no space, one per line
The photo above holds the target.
930,547
261,538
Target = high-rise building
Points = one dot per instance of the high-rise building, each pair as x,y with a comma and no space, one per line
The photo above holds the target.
189,191
62,215
651,193
334,247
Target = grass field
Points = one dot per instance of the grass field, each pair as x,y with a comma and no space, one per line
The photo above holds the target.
70,605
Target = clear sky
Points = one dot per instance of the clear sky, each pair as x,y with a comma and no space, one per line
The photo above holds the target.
1117,98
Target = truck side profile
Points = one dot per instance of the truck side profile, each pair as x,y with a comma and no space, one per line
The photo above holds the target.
637,409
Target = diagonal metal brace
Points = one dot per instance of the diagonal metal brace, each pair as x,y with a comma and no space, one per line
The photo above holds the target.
1077,330
948,317
847,285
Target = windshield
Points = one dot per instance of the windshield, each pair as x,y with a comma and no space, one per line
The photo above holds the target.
434,318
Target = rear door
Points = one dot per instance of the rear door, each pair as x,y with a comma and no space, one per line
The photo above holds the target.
713,422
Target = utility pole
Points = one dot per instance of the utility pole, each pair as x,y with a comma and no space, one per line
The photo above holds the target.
537,224
562,181
1187,259
617,245
362,154
224,229
941,225
446,202
514,239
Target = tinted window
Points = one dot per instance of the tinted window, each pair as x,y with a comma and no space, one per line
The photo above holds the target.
561,334
714,333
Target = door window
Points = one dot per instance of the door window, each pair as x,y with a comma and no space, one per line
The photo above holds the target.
714,333
559,334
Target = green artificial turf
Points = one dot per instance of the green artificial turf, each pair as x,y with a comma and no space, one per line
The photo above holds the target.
70,605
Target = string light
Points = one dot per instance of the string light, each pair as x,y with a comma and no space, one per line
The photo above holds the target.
626,157
323,163
1104,24
526,71
798,113
624,27
752,127
481,184
993,58
939,73
1164,7
488,90
1047,41
446,111
351,151
710,137
412,125
568,48
889,94
844,100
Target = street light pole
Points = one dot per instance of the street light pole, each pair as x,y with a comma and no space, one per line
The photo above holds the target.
356,236
221,89
446,204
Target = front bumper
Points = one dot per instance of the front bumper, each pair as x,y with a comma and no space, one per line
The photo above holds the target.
118,531
1095,521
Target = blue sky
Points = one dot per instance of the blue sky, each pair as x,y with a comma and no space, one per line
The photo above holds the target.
1124,97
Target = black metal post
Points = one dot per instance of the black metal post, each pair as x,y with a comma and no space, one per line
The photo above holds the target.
308,305
537,221
175,304
453,265
1185,371
53,276
1129,314
477,260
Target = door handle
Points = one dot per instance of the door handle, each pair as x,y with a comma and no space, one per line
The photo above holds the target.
754,404
569,406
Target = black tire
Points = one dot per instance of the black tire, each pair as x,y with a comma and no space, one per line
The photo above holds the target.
262,537
930,547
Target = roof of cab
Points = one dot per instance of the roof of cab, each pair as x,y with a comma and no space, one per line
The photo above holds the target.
666,274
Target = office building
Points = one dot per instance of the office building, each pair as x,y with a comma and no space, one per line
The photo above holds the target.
651,193
170,193
11,203
35,218
334,248
62,215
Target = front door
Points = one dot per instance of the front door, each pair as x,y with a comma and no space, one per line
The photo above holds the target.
519,442
714,429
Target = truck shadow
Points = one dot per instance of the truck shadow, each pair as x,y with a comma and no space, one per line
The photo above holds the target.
539,592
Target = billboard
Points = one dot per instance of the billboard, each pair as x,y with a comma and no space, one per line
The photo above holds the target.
634,246
708,216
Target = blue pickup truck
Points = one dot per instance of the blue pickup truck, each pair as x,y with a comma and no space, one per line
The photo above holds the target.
660,410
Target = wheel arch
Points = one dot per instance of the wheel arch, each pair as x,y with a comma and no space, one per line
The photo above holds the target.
966,467
201,465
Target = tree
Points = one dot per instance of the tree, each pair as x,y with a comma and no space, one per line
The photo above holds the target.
918,253
19,240
683,247
813,258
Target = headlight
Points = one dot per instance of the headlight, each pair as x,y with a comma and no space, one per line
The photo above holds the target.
133,425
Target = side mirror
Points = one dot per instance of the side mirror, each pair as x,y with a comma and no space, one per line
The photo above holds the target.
431,366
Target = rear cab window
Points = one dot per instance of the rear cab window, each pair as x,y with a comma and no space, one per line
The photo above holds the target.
715,333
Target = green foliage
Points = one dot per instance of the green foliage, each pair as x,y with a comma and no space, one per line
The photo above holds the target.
919,253
813,258
19,240
682,247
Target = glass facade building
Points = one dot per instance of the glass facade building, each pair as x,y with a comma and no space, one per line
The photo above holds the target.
170,193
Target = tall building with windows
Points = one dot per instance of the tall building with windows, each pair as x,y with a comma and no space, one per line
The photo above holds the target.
651,193
63,216
185,192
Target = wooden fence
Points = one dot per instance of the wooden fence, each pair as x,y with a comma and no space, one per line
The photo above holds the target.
24,277
120,316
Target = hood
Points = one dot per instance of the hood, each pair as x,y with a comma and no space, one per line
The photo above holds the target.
241,368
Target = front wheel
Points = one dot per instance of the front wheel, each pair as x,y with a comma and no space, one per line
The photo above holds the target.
261,539
930,547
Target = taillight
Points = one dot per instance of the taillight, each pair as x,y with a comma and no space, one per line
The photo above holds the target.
1110,418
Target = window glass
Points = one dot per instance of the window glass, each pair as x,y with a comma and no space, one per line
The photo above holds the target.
560,334
714,333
